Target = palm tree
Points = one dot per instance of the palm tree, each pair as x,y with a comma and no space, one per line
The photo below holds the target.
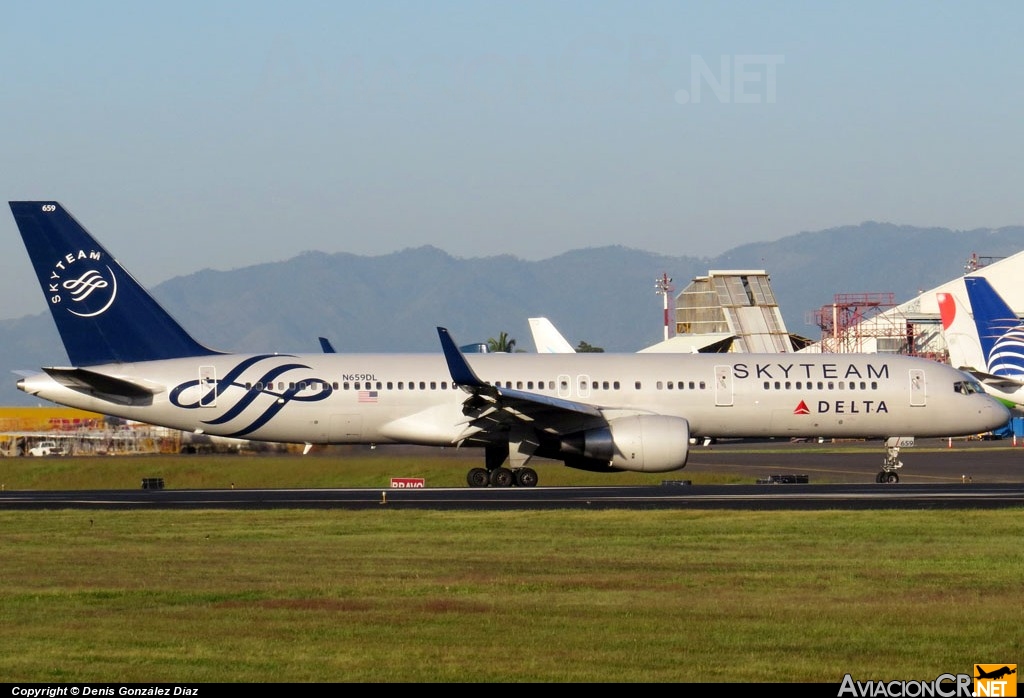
503,343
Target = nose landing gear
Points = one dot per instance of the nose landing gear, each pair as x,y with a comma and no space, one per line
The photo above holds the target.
892,459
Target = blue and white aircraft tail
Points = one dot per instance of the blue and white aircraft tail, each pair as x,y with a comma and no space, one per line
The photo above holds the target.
990,346
102,313
601,412
1000,330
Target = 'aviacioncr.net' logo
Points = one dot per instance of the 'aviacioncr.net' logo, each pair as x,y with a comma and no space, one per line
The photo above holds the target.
87,288
995,680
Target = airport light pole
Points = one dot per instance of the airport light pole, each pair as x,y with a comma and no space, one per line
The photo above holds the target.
663,287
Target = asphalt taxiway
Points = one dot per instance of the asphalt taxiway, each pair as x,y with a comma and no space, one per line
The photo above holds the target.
964,475
671,495
971,475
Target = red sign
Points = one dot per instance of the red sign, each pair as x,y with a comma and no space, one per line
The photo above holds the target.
400,482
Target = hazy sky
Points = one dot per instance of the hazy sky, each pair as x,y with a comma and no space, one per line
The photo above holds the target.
189,135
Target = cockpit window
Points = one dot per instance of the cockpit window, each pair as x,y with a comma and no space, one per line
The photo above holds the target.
968,387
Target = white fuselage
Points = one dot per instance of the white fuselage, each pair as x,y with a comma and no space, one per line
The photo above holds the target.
410,398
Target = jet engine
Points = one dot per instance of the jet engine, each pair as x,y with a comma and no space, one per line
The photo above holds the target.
643,443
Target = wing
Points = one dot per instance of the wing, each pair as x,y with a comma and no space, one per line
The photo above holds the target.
515,404
494,412
582,435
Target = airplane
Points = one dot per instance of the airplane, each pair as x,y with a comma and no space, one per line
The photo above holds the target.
599,412
991,346
995,673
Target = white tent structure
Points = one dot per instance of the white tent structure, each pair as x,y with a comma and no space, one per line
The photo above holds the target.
915,326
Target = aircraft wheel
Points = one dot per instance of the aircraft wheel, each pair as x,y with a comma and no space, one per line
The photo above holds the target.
526,477
502,477
892,478
478,477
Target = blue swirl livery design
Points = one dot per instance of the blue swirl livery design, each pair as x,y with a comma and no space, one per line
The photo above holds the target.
999,329
600,412
254,408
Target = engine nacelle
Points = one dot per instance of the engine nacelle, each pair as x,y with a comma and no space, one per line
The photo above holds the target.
643,443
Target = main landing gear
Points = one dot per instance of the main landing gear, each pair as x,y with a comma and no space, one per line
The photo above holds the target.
892,460
502,477
497,475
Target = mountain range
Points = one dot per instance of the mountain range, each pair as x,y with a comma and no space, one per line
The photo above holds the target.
604,296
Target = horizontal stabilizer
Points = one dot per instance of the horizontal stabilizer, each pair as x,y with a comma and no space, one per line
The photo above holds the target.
1005,383
103,387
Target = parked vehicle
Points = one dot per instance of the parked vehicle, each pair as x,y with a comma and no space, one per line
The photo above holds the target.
46,448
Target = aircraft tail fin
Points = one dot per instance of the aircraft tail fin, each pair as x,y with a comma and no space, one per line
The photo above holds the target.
547,338
1000,331
960,333
102,313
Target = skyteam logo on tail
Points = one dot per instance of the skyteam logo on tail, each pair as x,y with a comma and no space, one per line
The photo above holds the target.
78,281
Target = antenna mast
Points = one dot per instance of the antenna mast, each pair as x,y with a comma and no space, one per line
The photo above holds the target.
663,287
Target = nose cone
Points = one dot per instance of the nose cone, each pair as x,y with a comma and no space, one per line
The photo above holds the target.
994,414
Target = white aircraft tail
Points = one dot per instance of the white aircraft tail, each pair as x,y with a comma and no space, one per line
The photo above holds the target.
548,339
960,333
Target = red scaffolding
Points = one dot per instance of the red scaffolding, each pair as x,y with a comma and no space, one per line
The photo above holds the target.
857,322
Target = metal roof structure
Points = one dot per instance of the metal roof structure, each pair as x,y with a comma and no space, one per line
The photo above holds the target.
736,303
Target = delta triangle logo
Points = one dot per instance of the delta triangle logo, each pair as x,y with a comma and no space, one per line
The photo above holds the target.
801,408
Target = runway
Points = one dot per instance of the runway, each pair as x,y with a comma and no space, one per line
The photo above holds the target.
972,475
671,495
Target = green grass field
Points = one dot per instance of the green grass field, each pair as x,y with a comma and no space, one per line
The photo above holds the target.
525,596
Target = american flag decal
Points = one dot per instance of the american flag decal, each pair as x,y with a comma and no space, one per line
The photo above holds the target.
367,396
